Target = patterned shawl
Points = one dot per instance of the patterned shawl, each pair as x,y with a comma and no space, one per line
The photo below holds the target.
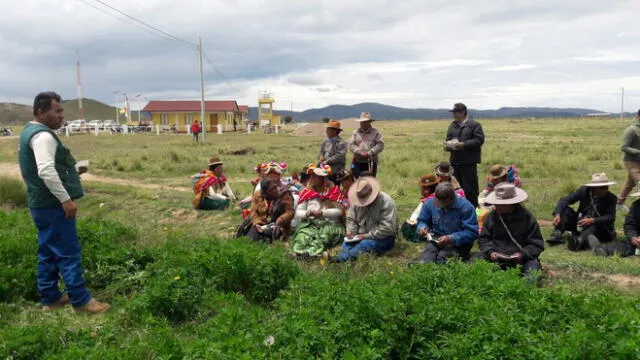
333,194
207,179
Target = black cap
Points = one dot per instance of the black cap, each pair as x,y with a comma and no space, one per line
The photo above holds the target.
459,107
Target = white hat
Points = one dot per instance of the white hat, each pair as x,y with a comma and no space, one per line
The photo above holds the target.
506,194
365,116
599,180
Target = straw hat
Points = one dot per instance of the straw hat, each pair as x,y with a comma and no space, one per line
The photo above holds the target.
444,169
365,116
428,180
334,124
497,171
599,180
364,191
506,194
637,192
215,161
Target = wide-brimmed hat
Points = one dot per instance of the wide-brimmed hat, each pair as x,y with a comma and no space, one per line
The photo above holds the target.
444,169
637,192
365,116
334,124
320,170
364,191
215,161
599,180
497,171
506,194
428,180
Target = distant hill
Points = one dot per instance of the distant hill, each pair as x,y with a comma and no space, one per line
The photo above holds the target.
387,112
15,114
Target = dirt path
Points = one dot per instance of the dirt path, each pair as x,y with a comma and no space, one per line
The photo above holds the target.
13,170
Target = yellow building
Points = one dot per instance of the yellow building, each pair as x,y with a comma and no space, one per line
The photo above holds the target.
183,113
265,110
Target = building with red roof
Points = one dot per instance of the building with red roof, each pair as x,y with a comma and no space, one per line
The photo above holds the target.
183,113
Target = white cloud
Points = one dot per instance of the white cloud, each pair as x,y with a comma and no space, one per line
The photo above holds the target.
411,53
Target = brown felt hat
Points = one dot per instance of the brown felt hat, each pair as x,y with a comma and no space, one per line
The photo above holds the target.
215,161
497,171
428,180
444,169
364,191
334,124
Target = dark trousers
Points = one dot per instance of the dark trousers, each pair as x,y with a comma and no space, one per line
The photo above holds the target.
254,235
59,255
623,249
527,266
467,176
440,255
569,222
358,168
195,136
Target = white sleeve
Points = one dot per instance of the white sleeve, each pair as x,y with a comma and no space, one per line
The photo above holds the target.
44,150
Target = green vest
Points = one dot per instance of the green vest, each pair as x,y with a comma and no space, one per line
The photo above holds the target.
38,195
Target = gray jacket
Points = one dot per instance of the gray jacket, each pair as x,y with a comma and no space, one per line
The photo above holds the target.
376,221
631,143
334,153
370,141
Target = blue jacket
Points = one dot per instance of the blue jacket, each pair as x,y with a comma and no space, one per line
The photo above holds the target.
459,221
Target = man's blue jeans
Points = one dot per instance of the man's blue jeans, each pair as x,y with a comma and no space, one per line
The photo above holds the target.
351,251
59,254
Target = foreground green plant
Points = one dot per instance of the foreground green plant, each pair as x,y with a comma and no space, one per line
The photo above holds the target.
12,192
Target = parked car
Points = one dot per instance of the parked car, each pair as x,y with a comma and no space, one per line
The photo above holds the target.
77,125
108,124
91,125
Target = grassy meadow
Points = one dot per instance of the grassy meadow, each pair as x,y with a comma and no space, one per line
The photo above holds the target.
155,319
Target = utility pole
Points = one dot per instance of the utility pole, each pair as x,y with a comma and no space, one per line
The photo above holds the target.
79,86
202,119
622,104
117,119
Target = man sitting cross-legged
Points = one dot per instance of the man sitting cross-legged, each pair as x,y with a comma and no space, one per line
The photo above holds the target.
511,235
631,246
449,224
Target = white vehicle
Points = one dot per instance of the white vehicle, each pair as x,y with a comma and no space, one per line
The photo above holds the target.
77,125
91,125
108,124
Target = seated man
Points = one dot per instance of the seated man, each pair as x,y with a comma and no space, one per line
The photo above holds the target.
427,185
594,221
631,246
498,174
212,192
319,215
448,223
444,172
371,221
511,235
271,212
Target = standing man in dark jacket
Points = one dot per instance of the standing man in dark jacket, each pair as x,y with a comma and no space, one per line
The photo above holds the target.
333,151
464,140
53,186
631,246
511,235
594,221
631,157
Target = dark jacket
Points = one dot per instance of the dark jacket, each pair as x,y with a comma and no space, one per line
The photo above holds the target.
472,135
606,206
524,228
334,153
632,221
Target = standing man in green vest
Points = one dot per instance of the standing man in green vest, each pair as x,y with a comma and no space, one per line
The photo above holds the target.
53,185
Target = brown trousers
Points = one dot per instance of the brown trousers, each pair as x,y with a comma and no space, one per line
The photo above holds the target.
632,180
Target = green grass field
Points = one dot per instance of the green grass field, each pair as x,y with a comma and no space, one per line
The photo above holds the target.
553,156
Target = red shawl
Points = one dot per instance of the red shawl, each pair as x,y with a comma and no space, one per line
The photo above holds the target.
209,180
332,194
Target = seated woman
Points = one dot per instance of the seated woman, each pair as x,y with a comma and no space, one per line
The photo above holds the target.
271,213
320,215
212,192
427,184
444,172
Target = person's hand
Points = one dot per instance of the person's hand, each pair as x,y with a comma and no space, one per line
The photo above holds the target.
363,154
279,222
445,240
424,232
635,241
82,170
258,228
556,220
586,222
494,256
359,237
314,213
349,235
458,146
70,209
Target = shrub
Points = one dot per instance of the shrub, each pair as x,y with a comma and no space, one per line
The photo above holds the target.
12,192
18,248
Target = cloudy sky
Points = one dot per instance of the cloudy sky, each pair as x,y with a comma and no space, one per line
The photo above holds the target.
424,53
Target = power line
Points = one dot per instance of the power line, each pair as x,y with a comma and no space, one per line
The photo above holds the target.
146,25
219,72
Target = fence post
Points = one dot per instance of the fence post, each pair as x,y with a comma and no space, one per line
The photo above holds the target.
157,129
188,129
125,129
277,129
66,130
96,129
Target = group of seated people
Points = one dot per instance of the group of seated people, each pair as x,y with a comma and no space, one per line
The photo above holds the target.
318,210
